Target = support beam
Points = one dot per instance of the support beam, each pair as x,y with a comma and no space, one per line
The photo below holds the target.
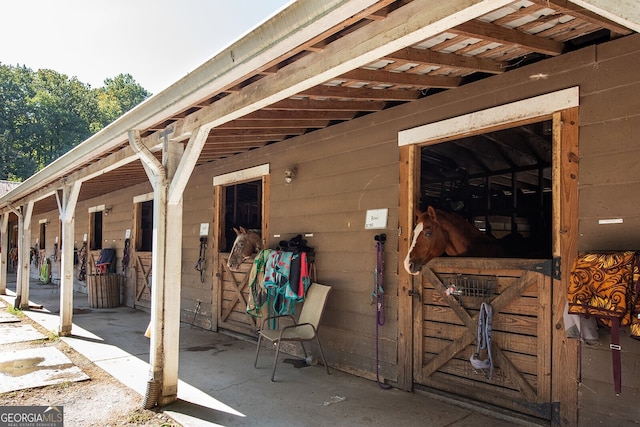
67,199
431,57
166,262
4,252
24,246
187,164
25,258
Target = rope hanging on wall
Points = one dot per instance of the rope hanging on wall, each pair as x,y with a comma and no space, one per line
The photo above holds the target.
377,297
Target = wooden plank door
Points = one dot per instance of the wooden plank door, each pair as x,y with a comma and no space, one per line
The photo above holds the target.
142,265
520,293
233,294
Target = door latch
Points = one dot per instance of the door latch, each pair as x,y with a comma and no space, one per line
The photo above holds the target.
414,294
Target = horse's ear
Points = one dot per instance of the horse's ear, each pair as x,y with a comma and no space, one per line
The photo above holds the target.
432,213
236,230
242,230
417,211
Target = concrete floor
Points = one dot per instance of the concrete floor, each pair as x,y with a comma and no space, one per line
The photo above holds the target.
219,385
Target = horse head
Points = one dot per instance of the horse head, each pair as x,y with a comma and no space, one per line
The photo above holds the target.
430,240
246,243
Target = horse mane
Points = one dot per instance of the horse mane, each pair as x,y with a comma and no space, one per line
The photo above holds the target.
459,222
480,244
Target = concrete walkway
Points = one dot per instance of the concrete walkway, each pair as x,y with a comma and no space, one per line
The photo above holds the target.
219,385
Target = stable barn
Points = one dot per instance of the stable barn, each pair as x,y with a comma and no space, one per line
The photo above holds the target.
521,115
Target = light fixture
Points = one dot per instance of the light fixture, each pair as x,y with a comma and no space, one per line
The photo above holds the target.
289,174
107,211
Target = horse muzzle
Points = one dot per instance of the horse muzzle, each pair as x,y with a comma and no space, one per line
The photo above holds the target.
412,267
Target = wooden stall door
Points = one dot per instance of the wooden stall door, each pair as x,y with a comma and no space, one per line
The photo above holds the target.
447,324
142,265
233,294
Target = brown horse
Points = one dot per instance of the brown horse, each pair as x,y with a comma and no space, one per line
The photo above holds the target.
438,232
247,242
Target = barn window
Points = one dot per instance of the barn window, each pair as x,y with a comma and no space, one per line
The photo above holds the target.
144,225
142,239
500,181
240,199
95,230
243,208
43,235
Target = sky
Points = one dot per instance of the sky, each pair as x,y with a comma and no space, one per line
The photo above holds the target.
156,41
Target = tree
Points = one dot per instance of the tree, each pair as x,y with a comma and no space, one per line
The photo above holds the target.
62,108
16,88
119,95
44,114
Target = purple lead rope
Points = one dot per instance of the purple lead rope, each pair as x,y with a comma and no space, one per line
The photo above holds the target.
379,291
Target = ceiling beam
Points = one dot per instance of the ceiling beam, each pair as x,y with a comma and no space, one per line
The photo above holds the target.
240,132
326,105
242,138
508,36
396,78
323,91
429,57
274,124
298,115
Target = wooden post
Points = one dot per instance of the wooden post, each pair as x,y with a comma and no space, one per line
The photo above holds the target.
405,280
67,199
24,260
168,180
4,252
565,222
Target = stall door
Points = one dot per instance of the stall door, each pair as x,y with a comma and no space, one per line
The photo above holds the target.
447,321
142,266
233,296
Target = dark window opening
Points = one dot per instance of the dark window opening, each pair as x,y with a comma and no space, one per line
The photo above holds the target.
243,203
43,234
96,231
500,181
145,227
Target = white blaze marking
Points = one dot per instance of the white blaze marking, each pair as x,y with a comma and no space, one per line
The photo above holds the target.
416,232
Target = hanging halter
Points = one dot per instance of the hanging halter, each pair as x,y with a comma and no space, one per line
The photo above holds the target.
377,296
484,341
200,265
126,256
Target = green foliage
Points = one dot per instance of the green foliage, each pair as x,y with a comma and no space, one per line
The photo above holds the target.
44,114
15,311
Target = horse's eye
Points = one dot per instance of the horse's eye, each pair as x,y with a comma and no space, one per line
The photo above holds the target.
427,233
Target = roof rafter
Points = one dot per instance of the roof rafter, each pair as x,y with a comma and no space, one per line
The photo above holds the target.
285,114
429,57
326,105
409,79
498,34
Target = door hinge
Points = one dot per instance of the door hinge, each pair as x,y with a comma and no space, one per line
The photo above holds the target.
556,266
550,268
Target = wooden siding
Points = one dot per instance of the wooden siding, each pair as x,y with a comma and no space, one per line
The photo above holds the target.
197,297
